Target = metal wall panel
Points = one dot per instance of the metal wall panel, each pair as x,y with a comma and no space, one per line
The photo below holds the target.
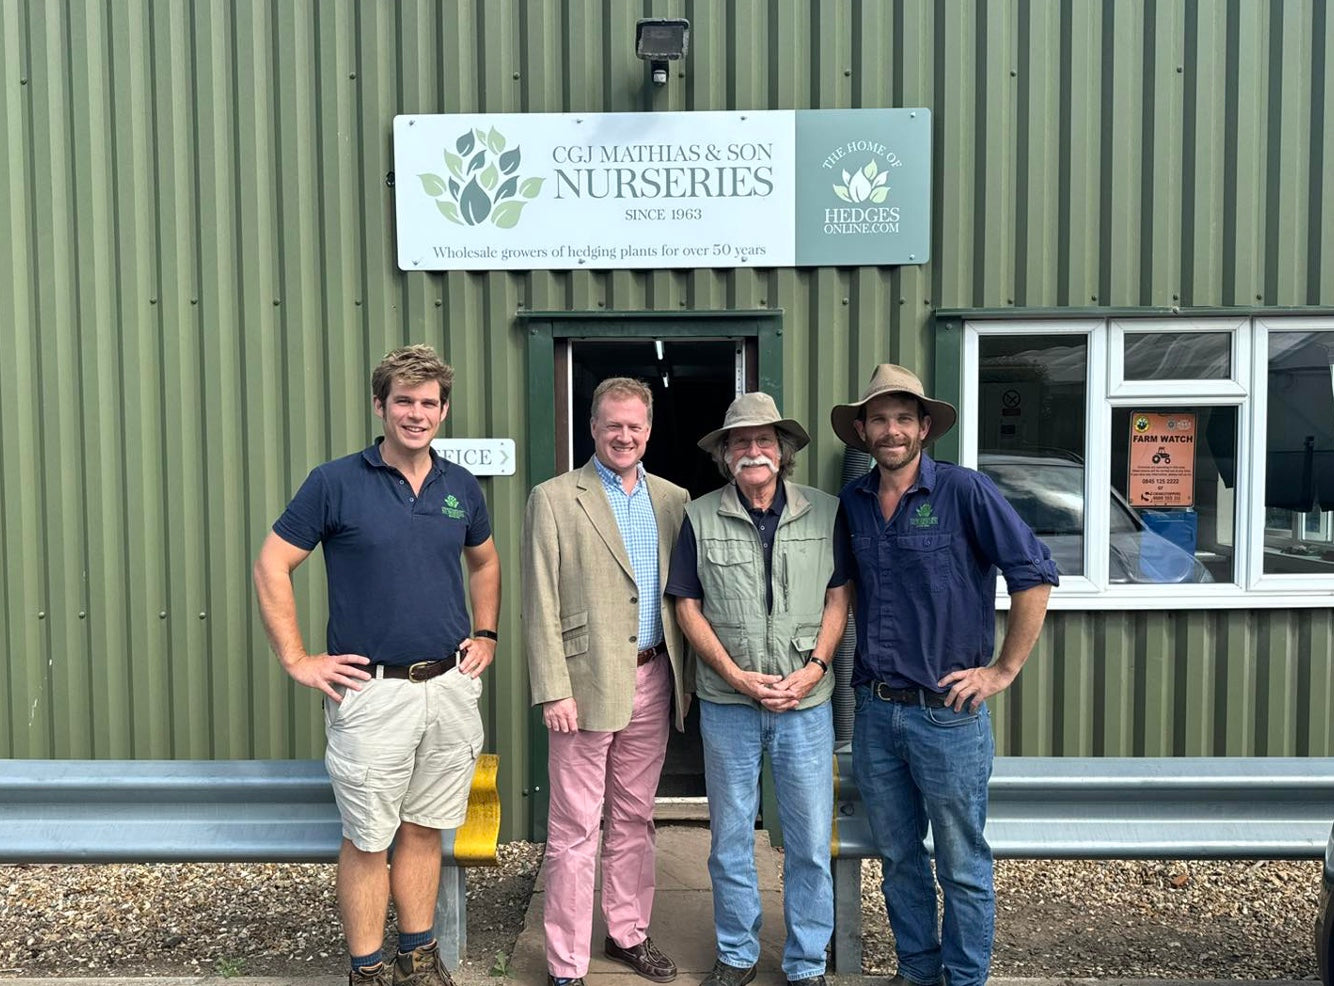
196,241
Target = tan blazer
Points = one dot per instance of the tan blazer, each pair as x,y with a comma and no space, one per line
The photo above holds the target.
580,603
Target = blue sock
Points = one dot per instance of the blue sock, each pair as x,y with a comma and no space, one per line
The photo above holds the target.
363,961
409,941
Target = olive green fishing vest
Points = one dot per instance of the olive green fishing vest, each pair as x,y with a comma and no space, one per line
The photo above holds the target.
730,561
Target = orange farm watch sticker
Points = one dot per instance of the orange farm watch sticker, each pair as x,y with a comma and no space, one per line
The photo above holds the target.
1162,459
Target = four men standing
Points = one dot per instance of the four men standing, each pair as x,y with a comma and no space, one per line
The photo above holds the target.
762,572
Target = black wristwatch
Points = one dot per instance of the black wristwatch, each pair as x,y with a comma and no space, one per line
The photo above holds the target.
488,634
823,665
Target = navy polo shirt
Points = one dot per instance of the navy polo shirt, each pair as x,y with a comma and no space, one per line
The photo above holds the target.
393,558
926,578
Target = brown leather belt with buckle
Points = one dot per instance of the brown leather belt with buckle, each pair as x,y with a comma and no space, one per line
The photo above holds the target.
421,671
649,653
907,696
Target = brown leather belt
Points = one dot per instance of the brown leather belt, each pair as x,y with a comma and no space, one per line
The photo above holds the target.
421,671
649,653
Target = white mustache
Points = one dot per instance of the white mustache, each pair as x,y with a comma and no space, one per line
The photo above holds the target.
753,460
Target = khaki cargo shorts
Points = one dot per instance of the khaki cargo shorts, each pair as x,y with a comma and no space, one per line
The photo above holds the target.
403,751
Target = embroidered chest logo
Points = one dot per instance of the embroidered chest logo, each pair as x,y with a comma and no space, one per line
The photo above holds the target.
451,508
924,517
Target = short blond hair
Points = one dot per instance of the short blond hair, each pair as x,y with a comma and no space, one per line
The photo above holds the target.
411,365
622,388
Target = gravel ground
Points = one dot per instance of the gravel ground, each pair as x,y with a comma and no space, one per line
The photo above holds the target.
1056,919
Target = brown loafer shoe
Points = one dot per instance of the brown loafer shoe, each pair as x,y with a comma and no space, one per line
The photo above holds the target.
728,975
646,959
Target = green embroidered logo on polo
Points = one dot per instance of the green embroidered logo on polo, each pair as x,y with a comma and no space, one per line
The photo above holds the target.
924,517
451,508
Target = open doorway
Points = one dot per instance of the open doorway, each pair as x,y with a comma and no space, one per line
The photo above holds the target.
693,381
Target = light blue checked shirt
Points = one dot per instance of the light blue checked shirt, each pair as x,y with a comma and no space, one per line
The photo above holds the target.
639,531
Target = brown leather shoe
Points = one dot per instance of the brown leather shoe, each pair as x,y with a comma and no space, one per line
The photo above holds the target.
728,975
646,959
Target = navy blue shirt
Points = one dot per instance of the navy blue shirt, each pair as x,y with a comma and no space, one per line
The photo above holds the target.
683,574
392,556
926,578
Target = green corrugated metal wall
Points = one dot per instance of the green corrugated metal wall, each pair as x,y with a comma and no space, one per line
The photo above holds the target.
197,272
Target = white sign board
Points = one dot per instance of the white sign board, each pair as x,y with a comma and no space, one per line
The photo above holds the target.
561,191
480,456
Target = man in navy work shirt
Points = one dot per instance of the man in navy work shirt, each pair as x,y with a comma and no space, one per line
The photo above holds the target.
402,673
928,538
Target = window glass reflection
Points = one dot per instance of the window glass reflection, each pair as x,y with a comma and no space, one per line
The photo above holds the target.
1032,391
1299,462
1178,356
1173,484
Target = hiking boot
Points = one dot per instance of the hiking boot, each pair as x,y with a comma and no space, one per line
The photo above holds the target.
729,975
371,975
646,959
421,967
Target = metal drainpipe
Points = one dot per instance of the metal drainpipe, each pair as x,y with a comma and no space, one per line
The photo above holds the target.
855,465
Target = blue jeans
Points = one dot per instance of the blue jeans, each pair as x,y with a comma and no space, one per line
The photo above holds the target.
800,744
914,764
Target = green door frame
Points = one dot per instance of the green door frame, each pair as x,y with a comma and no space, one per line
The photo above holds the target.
542,330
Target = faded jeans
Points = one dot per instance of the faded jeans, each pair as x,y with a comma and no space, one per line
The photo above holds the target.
800,744
915,764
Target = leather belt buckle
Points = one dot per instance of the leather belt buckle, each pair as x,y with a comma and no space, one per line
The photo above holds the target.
885,693
425,675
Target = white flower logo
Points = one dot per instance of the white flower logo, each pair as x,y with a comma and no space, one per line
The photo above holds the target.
867,183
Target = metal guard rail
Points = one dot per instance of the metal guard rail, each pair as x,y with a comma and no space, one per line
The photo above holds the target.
172,811
1113,808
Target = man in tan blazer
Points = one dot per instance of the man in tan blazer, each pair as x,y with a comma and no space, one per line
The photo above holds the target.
606,660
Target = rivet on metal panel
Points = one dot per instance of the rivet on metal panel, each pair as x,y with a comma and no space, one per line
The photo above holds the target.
847,71
438,302
23,81
845,301
194,301
41,614
276,302
162,615
412,123
912,256
912,116
357,302
536,788
1013,73
389,179
352,75
152,301
516,76
203,616
83,614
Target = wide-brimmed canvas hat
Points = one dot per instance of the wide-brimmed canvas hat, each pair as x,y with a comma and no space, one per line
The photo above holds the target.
753,409
890,378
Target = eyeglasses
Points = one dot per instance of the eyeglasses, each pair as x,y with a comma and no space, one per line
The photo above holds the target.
765,443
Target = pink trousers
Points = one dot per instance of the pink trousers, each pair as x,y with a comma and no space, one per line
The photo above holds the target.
620,770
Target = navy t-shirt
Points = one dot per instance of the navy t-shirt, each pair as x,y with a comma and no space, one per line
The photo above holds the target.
393,558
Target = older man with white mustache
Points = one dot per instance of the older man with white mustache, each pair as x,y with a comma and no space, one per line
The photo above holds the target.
760,577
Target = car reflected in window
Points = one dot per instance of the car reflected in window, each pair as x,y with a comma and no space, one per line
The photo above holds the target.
1046,489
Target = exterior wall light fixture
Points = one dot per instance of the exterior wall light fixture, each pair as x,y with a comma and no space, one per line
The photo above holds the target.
659,40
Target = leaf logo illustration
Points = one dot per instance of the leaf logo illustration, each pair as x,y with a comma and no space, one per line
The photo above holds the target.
867,184
483,183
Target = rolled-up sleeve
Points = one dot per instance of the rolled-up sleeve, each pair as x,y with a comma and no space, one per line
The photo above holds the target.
1003,538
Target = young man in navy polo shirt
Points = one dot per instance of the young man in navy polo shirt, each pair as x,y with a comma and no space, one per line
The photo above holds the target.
928,538
402,673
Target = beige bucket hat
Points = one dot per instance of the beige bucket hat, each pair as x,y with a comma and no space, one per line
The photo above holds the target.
752,409
890,378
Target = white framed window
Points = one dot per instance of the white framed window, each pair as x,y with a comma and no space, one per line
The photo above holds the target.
1167,462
